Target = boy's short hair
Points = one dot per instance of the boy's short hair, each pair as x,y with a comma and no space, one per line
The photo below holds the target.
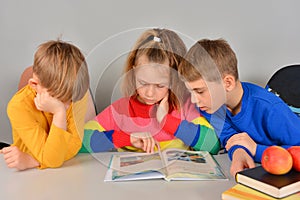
62,69
210,60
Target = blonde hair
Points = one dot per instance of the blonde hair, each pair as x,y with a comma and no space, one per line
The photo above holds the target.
210,60
158,45
62,69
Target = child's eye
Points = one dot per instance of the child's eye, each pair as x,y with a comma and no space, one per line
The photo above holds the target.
199,91
142,83
161,86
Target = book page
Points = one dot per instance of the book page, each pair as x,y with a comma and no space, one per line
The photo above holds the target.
185,165
135,163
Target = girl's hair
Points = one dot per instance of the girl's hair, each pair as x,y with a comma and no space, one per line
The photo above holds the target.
158,45
210,60
62,69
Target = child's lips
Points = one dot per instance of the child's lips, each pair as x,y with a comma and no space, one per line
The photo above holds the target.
150,101
204,108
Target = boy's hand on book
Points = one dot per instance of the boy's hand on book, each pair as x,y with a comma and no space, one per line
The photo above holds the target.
240,161
163,108
143,140
242,139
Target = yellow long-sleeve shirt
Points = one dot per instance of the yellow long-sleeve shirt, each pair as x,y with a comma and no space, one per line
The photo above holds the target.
34,133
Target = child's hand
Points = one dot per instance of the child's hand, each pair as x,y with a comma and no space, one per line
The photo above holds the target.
15,158
163,109
240,161
45,102
143,140
242,139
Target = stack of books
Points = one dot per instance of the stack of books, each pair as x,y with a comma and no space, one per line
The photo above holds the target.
256,183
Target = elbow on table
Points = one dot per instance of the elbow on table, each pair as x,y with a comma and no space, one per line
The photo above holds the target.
57,159
51,164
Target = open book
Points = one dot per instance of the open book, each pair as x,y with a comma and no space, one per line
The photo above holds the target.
170,164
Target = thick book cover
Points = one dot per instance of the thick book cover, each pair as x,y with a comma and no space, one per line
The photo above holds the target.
241,192
170,164
277,186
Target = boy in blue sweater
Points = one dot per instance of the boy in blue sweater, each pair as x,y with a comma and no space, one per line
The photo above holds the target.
247,117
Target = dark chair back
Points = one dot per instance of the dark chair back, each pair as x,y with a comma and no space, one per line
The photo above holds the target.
285,83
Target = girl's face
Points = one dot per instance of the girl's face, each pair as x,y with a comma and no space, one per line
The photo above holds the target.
152,80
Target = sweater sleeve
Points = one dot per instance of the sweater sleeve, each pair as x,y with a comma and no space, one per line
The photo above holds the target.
63,145
49,146
281,132
276,130
96,139
197,134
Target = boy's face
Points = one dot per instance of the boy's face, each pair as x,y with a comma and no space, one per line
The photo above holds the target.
208,96
35,83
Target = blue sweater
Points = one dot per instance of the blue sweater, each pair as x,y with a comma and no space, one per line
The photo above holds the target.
263,115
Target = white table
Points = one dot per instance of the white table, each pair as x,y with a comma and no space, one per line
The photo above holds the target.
82,178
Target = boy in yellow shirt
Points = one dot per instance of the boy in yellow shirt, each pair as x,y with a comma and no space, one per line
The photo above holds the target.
47,115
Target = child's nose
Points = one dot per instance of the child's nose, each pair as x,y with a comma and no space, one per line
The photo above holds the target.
150,91
194,98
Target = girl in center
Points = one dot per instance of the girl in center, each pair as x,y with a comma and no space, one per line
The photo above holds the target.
154,110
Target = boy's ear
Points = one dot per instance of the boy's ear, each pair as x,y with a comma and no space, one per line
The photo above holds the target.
229,83
33,82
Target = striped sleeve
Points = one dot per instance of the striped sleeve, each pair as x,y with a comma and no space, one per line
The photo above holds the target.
198,134
97,139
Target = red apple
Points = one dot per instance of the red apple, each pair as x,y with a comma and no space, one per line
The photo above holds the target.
295,152
277,160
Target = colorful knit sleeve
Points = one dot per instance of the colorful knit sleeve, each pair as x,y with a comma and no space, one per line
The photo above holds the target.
97,139
198,134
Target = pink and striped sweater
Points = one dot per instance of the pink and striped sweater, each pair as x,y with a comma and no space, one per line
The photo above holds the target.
112,127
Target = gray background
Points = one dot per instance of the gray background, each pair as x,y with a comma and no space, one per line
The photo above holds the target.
264,35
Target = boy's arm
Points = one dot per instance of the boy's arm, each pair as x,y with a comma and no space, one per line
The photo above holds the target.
243,140
68,141
198,135
275,124
283,128
226,133
49,146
